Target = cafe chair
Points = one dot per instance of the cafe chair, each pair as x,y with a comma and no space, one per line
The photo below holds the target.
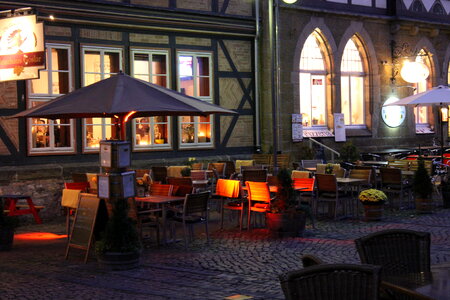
145,218
79,177
69,201
258,196
309,260
398,251
392,182
362,174
230,168
159,174
329,195
229,193
200,180
300,174
194,211
254,175
332,281
82,186
219,167
197,166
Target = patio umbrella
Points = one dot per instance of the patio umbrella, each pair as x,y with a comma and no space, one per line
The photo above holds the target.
439,95
121,97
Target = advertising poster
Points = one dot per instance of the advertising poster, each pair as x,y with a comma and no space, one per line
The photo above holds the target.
297,128
339,127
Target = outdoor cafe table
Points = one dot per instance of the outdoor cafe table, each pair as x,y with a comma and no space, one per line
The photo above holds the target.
14,209
375,163
434,285
163,201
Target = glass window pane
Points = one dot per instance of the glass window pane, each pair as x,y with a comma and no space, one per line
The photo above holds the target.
204,133
60,59
40,86
60,84
345,98
421,114
141,64
92,61
62,133
40,133
187,133
357,100
143,131
160,80
351,59
112,62
305,98
311,56
159,65
91,78
318,108
203,66
203,86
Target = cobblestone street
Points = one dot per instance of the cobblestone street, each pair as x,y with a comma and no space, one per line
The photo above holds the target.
232,264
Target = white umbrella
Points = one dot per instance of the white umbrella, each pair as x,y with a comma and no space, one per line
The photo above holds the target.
439,95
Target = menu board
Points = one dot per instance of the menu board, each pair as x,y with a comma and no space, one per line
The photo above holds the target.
339,127
297,128
83,226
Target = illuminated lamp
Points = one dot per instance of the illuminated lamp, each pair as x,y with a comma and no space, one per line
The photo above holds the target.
414,71
393,116
444,114
289,1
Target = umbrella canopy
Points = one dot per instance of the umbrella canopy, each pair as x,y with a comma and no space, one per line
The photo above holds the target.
119,95
436,96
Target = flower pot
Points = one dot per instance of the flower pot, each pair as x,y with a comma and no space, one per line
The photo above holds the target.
286,224
424,205
119,260
6,238
373,212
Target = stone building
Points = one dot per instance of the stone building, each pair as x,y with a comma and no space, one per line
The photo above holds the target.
341,56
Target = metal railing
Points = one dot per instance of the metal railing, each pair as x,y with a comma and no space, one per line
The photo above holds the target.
333,152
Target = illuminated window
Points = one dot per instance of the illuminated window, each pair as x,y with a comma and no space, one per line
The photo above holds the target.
421,113
352,85
313,83
448,75
151,66
99,63
47,136
194,79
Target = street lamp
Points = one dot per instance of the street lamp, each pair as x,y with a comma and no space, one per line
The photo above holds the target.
414,71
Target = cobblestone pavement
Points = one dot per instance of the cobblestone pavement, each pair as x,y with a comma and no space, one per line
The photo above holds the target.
246,263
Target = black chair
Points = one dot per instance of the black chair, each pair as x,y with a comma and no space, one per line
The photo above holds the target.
398,251
332,281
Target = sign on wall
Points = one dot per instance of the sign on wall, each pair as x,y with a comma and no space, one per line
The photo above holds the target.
339,127
297,128
22,52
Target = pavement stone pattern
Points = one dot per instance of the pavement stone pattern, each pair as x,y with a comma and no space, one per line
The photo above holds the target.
246,263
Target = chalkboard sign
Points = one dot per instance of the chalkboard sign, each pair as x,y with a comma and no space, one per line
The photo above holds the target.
83,226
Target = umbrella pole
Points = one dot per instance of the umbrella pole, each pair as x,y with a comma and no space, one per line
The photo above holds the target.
442,133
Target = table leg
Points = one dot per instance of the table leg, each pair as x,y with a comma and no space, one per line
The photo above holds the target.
34,211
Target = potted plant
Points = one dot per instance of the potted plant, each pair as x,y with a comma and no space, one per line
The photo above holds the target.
423,188
349,152
373,201
287,216
186,172
7,226
120,246
329,168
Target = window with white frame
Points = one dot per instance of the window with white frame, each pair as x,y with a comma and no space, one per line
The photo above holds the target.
448,75
352,85
151,66
44,135
195,79
313,83
421,112
99,63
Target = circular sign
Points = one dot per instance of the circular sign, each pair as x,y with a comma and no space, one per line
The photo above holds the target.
394,115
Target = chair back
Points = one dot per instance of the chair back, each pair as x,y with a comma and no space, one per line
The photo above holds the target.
179,181
258,191
159,174
220,168
198,175
79,177
197,166
181,185
391,176
326,183
262,159
307,183
401,164
196,203
283,160
230,168
175,171
70,198
397,251
365,174
310,163
254,175
82,186
160,189
228,188
300,174
337,169
332,281
243,163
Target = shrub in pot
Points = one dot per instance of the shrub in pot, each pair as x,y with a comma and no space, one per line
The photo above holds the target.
349,152
7,227
287,216
373,201
423,188
120,246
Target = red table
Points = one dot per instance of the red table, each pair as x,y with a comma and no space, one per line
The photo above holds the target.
10,204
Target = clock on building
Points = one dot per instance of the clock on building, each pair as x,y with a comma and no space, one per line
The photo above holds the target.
393,116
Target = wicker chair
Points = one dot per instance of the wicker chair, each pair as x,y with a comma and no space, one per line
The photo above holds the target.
332,281
309,260
398,251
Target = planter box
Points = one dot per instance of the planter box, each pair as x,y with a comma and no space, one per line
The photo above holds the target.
373,212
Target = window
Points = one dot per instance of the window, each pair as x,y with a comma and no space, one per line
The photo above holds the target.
151,66
99,63
194,79
352,85
421,113
49,136
313,83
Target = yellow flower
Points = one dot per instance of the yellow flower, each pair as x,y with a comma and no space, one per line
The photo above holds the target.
372,196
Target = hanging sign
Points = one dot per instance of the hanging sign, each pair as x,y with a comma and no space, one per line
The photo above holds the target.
22,52
339,127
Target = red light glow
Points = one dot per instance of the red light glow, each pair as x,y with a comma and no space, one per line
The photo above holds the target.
42,236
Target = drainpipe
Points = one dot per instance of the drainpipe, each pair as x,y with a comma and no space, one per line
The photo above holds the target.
273,17
257,101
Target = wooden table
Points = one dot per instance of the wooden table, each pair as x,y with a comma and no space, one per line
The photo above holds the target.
14,209
426,285
163,201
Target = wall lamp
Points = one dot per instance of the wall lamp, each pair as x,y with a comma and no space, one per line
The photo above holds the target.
410,71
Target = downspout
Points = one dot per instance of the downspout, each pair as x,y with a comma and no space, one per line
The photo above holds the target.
257,100
274,77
